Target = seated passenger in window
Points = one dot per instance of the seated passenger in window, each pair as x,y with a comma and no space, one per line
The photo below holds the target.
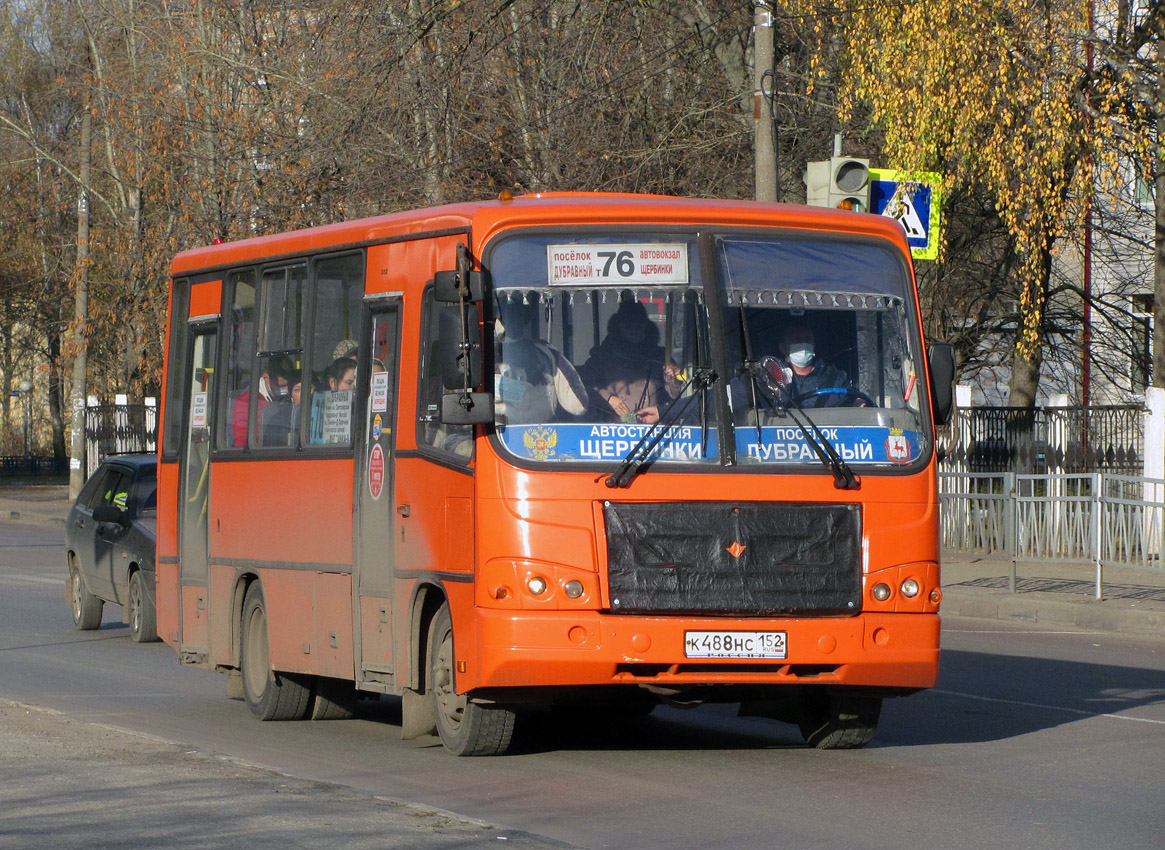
331,409
279,421
274,385
533,382
626,372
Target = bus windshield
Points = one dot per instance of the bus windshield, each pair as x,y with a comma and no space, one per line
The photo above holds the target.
598,336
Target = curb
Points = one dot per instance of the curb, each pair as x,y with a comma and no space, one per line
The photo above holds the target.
1090,615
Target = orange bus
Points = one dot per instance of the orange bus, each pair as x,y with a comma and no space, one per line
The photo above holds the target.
559,450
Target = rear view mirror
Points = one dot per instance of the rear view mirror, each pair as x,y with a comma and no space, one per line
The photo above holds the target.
455,286
942,381
458,350
467,408
109,513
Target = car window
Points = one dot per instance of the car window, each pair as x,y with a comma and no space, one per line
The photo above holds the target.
147,491
88,496
114,489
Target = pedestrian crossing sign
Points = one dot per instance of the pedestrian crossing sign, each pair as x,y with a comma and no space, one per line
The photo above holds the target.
913,200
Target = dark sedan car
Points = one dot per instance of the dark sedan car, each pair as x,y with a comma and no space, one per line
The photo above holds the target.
110,540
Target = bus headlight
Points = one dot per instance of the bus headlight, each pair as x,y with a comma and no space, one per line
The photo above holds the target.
881,591
910,588
574,589
537,585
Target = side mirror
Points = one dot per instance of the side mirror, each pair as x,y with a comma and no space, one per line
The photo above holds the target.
461,408
942,381
453,287
458,348
109,513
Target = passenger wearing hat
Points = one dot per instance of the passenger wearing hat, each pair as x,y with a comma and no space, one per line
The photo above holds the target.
627,370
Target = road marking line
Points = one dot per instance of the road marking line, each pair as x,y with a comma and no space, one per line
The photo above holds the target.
1013,631
40,579
1078,711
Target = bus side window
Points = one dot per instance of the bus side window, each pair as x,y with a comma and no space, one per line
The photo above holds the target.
240,358
283,301
450,440
329,388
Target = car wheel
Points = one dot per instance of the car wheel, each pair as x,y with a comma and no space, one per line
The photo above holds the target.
269,695
466,728
141,611
85,606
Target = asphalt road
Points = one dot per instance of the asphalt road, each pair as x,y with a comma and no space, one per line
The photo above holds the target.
1034,738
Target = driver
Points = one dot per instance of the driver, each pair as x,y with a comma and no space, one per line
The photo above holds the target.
811,374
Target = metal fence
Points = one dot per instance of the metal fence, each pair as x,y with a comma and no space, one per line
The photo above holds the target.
116,428
1108,438
1103,519
33,466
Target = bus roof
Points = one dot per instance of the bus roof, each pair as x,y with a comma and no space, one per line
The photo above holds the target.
484,218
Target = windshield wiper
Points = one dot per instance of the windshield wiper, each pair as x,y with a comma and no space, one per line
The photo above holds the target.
764,375
702,378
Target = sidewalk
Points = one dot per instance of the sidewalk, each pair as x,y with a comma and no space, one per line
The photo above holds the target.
43,504
1055,593
1050,592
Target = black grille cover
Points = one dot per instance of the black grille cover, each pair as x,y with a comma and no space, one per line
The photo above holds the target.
734,557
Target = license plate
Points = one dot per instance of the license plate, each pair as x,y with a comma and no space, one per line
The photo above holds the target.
735,644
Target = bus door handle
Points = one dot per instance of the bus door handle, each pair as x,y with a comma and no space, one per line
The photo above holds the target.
404,510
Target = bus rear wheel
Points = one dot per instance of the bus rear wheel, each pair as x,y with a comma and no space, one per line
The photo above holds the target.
466,728
836,720
269,695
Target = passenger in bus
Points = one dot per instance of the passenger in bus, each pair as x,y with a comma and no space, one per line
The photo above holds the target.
533,382
279,421
627,372
274,385
345,348
331,408
342,375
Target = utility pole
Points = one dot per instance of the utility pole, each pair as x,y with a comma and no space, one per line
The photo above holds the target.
1159,235
81,315
766,160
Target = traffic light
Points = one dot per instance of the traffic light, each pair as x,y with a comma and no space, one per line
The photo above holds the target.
840,182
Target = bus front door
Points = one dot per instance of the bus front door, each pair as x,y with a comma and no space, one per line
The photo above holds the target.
376,514
194,494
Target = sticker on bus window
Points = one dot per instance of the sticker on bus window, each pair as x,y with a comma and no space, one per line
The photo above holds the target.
379,392
583,265
376,472
198,409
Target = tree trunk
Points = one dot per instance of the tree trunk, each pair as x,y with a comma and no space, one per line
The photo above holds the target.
56,390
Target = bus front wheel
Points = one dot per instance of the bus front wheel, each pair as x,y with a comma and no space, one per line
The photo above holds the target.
836,720
269,695
466,728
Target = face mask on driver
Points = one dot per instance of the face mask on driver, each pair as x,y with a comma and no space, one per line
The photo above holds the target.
801,354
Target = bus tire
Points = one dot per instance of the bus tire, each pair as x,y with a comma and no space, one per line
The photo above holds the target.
269,695
466,728
836,720
85,606
333,699
140,610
